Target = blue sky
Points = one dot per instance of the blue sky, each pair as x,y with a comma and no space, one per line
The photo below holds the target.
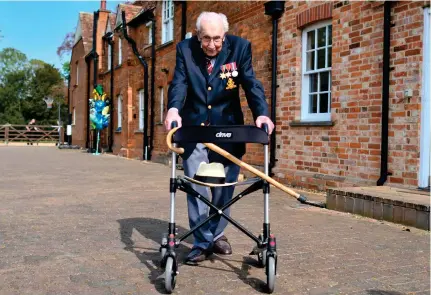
37,28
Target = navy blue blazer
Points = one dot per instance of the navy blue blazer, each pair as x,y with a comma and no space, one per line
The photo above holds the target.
208,99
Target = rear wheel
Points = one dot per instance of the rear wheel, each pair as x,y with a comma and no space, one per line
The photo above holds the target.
270,274
261,258
170,275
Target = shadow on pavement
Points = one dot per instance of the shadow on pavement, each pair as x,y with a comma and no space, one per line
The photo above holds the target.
381,292
152,229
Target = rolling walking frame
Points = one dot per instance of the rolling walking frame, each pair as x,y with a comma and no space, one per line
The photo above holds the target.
266,242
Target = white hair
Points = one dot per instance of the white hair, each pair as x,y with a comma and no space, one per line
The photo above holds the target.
212,16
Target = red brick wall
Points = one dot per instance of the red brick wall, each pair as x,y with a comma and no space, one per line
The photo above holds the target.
348,153
404,118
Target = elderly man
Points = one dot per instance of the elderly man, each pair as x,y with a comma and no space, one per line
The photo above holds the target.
204,91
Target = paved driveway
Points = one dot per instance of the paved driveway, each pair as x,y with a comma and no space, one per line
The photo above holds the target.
74,223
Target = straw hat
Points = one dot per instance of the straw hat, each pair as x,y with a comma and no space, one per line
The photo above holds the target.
211,174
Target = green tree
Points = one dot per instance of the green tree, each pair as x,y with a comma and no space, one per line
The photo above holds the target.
46,81
12,60
23,86
65,70
12,94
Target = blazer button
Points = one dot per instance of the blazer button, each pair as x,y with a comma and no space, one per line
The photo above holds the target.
209,107
209,88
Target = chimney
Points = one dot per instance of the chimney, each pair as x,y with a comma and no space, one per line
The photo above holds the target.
103,5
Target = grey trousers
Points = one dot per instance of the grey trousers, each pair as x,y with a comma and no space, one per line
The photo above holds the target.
197,210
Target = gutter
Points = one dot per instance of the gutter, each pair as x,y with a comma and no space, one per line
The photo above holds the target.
145,65
385,94
275,9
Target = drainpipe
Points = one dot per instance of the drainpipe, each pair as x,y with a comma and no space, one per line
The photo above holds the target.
108,38
183,19
153,73
87,97
69,115
275,9
145,65
95,64
385,93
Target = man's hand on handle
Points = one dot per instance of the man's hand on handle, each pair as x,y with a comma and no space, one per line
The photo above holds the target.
265,120
172,116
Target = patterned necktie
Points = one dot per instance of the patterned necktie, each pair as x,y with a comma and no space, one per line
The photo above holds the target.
209,65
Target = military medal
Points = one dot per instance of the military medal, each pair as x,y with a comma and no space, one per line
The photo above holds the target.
228,73
222,74
230,84
235,72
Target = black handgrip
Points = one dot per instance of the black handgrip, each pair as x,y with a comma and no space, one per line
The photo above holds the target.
174,124
265,127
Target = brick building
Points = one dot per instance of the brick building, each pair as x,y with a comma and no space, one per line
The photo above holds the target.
335,68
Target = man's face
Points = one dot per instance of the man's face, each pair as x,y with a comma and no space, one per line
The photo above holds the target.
211,37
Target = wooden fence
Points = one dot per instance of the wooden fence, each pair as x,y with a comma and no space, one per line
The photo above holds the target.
31,133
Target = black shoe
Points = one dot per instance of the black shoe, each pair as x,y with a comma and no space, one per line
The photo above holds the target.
222,246
197,255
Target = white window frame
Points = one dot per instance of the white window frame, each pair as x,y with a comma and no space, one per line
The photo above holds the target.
162,103
306,115
109,57
149,25
119,112
167,21
120,51
141,109
74,116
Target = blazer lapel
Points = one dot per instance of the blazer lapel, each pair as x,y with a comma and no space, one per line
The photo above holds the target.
199,58
221,59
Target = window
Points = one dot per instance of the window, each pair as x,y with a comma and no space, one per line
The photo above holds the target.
74,117
162,103
149,25
119,112
77,73
120,48
141,109
168,21
109,56
316,69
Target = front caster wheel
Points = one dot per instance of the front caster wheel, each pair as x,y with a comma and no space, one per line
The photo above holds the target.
170,275
270,274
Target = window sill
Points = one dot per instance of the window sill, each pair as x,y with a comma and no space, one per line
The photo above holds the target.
139,131
118,130
107,72
118,66
310,123
159,124
166,44
147,46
